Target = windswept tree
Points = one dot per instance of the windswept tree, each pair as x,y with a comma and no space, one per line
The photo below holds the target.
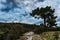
45,13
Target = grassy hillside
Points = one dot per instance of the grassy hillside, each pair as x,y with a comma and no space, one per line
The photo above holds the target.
12,31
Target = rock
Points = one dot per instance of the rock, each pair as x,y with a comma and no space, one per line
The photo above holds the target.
36,37
29,33
23,38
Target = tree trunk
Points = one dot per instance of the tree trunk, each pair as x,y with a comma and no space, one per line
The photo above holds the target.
44,22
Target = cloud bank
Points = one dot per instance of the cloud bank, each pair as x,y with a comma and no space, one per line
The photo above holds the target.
18,10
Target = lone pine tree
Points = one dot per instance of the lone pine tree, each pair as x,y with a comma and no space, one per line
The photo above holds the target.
47,14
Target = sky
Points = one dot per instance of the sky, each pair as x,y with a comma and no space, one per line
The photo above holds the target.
19,10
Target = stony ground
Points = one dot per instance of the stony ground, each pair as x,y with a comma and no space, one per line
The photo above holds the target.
34,37
43,36
30,36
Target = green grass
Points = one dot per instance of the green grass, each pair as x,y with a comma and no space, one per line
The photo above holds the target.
49,35
1,33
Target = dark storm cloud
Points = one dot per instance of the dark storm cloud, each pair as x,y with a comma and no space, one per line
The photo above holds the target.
40,0
13,2
10,4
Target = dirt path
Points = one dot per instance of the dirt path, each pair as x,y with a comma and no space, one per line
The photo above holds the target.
30,36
